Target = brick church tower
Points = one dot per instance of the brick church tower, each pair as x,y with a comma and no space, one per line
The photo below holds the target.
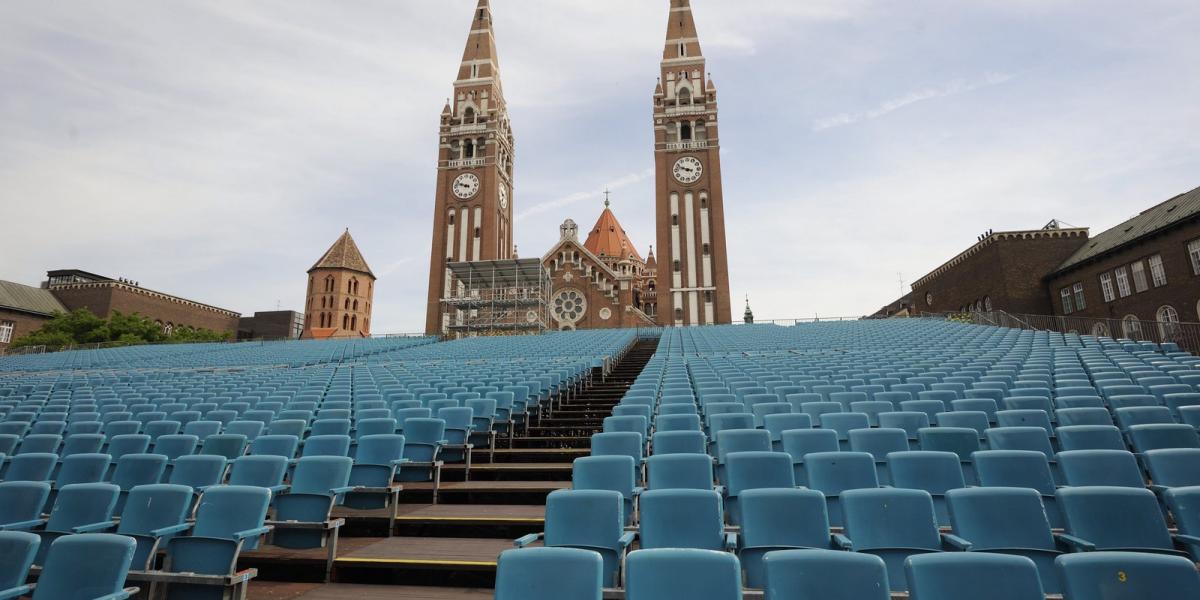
473,207
341,288
693,272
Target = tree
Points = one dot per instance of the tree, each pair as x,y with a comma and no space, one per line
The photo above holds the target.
82,327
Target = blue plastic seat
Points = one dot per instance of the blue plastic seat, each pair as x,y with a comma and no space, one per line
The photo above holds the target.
326,445
894,524
21,504
1127,576
934,472
322,427
249,429
683,518
620,443
843,423
1007,521
679,471
79,508
1142,415
153,514
755,470
879,443
833,473
780,519
665,423
275,445
615,473
265,471
229,519
1083,416
227,445
86,566
17,549
40,444
801,442
589,520
174,446
317,484
1173,467
375,465
825,574
976,575
730,441
1153,437
82,443
1090,437
1100,467
198,472
911,422
636,424
423,441
682,574
1115,518
31,467
549,574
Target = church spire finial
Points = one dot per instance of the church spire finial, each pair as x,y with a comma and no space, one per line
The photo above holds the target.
606,195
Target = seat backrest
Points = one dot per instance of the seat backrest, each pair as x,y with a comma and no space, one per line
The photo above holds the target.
549,574
679,574
844,422
977,575
618,443
1153,437
777,423
962,441
1127,576
31,467
584,518
1142,415
1014,468
198,471
176,445
82,504
139,469
1000,518
1083,416
380,449
910,421
320,474
932,471
151,507
834,472
260,471
1091,513
784,517
1090,437
83,468
801,442
890,518
679,442
22,501
17,549
90,565
741,440
1173,467
1100,467
227,509
680,471
825,574
275,445
604,473
762,469
1020,438
879,442
424,431
326,445
682,519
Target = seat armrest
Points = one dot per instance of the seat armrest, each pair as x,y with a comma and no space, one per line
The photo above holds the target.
955,542
731,543
180,528
249,533
638,490
400,461
841,542
94,527
277,490
1158,489
1074,543
23,525
343,490
627,539
526,540
121,595
1190,540
16,592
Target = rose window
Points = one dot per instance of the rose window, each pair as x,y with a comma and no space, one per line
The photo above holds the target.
569,306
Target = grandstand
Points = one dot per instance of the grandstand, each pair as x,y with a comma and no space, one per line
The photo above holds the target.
857,460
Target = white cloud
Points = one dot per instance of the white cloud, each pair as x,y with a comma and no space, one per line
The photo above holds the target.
953,88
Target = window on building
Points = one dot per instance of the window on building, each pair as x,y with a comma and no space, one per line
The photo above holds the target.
1122,282
355,305
1193,248
1131,327
708,296
1078,289
6,331
1158,275
679,314
1106,287
1168,322
354,322
1067,306
476,233
1100,330
675,265
345,321
987,303
706,249
1139,277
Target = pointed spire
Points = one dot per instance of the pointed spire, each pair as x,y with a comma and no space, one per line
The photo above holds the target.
481,44
447,110
748,316
682,39
343,254
608,239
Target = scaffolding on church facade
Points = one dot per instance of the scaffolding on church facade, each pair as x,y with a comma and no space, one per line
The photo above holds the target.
497,297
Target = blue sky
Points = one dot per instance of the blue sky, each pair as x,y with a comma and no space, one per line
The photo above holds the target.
215,149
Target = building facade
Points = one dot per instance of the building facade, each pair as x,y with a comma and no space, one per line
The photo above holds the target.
341,288
102,296
473,204
1142,274
271,325
693,285
23,309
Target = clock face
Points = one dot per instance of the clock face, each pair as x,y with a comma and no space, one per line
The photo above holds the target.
688,169
503,198
466,185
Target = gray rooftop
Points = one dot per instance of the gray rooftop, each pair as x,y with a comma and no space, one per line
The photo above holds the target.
1152,219
28,299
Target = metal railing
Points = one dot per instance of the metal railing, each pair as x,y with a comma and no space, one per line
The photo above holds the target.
1185,335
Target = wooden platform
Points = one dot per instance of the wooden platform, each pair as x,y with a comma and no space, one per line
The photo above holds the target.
342,591
454,553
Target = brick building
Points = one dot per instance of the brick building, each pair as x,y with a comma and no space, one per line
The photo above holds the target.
1134,280
102,296
1141,274
23,309
271,325
341,288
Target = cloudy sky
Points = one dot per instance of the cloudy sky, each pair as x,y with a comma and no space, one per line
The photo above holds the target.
215,149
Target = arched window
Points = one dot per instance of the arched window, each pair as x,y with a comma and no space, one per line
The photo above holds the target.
345,321
675,265
675,219
987,303
355,287
329,283
1131,327
356,305
685,131
1101,330
1168,322
701,131
469,114
354,322
678,314
468,148
322,301
685,96
347,304
451,218
366,324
